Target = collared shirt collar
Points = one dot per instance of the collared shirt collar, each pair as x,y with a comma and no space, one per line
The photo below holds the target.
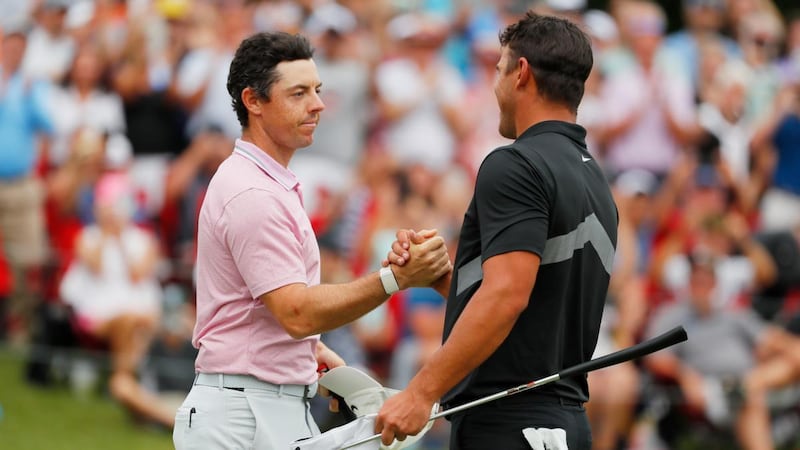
269,166
571,130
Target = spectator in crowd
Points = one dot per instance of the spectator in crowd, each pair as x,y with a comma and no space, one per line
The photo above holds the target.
696,208
760,36
203,72
646,105
340,139
740,10
777,301
726,383
80,22
603,31
789,64
712,56
615,390
727,142
185,187
723,116
84,101
116,298
71,189
24,119
742,263
50,47
419,94
779,136
144,77
703,21
571,10
481,113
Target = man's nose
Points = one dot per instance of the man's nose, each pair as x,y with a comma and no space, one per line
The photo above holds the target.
317,105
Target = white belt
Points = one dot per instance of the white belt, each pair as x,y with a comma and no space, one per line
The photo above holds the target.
248,382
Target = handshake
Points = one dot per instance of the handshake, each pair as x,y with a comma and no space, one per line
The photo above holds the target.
417,259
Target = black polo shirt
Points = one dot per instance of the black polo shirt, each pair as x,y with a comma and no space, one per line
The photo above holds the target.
544,194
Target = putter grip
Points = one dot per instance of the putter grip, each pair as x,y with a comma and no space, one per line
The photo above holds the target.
671,337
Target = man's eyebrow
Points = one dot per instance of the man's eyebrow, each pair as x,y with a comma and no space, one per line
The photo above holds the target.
303,87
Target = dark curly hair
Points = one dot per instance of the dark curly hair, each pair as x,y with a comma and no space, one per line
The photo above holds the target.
254,65
559,53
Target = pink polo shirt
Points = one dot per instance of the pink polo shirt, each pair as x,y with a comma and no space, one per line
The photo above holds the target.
253,237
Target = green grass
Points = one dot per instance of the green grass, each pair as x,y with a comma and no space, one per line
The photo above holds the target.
54,418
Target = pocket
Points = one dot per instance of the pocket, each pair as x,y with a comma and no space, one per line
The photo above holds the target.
185,434
180,428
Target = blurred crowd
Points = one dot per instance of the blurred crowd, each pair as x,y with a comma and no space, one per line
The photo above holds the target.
114,115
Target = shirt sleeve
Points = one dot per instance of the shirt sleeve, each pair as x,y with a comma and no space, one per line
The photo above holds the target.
40,93
513,205
263,242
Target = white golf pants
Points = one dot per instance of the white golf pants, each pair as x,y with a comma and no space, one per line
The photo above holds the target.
214,417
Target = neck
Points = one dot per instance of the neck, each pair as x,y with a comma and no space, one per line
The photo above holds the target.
539,110
83,90
260,139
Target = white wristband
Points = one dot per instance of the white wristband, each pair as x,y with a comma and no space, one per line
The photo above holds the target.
388,280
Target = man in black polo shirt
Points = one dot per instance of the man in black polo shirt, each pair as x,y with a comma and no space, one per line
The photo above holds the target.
534,258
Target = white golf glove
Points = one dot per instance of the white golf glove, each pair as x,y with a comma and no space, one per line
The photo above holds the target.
546,438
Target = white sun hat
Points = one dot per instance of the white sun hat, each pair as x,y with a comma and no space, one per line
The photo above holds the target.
364,396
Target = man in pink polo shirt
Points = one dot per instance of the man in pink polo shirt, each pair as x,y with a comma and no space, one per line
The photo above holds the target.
260,307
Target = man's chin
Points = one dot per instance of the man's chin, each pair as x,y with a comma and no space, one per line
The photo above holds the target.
508,134
306,142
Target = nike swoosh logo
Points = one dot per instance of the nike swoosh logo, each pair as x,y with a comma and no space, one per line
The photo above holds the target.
584,159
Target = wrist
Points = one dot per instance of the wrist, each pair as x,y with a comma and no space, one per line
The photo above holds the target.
388,280
423,390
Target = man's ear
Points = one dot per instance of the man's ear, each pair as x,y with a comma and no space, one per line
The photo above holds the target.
251,101
524,74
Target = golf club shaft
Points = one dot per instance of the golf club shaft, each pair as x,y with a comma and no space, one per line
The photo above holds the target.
671,337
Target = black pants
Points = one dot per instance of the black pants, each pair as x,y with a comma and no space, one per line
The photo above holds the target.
499,424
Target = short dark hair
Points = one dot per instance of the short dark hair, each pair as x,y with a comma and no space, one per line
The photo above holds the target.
559,53
254,65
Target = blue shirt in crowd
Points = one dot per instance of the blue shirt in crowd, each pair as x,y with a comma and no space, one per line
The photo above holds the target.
23,115
787,145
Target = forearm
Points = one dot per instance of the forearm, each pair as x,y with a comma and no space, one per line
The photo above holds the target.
321,308
144,268
305,311
616,130
91,255
327,357
666,366
763,264
482,327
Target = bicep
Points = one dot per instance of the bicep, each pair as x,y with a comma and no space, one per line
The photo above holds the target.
284,301
511,277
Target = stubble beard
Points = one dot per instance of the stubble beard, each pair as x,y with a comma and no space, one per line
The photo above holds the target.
507,128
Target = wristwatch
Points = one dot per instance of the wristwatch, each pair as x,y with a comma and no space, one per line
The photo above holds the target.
388,280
